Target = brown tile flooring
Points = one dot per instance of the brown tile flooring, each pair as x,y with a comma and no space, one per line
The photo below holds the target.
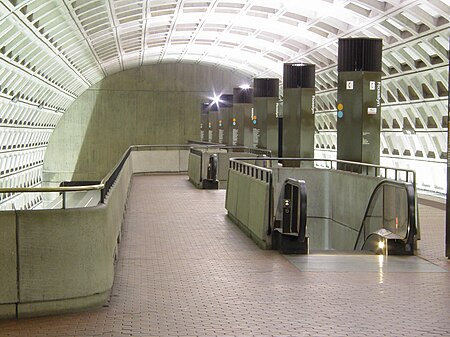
186,270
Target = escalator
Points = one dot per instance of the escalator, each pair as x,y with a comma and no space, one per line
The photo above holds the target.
373,211
289,234
389,224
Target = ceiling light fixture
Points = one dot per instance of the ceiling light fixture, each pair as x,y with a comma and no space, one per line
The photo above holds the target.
216,99
245,86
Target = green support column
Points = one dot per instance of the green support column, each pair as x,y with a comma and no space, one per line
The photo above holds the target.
264,120
213,123
298,111
204,122
359,100
225,110
241,125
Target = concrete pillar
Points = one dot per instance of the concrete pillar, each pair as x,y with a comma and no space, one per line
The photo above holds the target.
225,110
264,120
359,100
241,124
298,110
204,121
213,123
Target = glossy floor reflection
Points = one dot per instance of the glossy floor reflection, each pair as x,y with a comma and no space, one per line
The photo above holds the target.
363,263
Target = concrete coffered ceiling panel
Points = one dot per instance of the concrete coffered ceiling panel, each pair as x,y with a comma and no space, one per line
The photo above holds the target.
53,50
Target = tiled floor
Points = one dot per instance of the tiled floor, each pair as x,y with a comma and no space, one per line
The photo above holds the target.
186,270
432,245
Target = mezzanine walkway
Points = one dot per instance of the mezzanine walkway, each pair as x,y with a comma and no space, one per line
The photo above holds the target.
186,270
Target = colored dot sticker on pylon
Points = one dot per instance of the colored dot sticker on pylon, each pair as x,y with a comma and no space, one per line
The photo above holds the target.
254,119
340,106
234,121
220,123
340,113
209,125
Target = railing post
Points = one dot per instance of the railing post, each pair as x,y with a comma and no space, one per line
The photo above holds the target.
64,200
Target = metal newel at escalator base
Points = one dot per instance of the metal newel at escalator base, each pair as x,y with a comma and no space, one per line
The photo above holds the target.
212,167
211,181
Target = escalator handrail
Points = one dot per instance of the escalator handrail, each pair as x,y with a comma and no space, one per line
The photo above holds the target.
301,184
410,195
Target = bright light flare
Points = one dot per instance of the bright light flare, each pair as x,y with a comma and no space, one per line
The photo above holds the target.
381,245
245,86
216,99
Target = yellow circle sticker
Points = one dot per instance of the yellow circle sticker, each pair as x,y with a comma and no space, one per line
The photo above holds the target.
340,106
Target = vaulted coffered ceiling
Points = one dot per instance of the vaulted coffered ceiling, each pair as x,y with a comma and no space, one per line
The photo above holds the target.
53,50
87,40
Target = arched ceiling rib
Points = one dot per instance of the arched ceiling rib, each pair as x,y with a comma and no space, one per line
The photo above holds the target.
53,50
95,38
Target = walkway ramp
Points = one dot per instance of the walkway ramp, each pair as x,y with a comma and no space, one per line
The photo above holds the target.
185,269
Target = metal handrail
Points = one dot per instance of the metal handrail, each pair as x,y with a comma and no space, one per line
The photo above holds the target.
230,148
410,193
105,183
252,170
111,172
196,151
51,189
333,164
112,175
143,147
239,162
302,201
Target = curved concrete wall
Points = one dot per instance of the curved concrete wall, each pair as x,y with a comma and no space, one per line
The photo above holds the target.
156,104
66,259
62,260
8,264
